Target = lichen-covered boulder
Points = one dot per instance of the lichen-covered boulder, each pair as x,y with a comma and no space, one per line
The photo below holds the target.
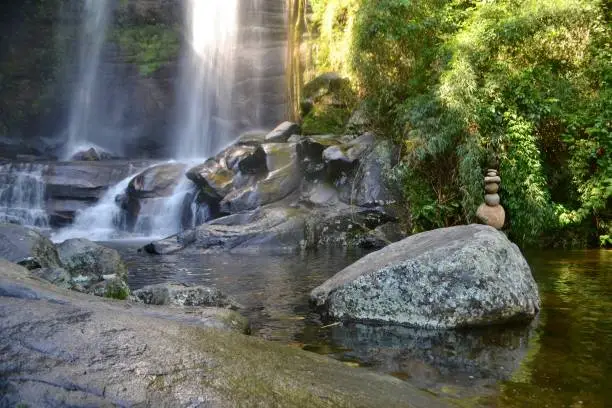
89,263
27,247
451,277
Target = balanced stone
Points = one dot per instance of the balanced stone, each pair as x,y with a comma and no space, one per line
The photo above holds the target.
491,188
493,216
492,199
495,179
492,174
491,171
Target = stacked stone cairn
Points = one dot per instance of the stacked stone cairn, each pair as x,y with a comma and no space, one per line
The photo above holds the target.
491,212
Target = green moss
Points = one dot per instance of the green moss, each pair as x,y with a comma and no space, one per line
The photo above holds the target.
325,120
116,289
148,46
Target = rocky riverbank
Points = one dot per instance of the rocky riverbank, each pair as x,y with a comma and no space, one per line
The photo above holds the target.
66,348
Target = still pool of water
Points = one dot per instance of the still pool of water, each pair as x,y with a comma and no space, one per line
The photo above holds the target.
563,359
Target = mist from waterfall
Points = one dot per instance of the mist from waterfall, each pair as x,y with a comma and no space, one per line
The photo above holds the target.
96,16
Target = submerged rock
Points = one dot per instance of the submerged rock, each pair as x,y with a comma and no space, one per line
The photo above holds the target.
180,295
27,247
451,277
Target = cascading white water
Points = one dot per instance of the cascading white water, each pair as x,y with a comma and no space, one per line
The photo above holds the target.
157,217
204,124
22,195
99,222
93,34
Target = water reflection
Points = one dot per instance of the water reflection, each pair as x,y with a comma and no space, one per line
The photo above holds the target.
562,360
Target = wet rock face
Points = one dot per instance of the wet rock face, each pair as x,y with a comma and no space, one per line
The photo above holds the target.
156,181
27,247
283,178
451,277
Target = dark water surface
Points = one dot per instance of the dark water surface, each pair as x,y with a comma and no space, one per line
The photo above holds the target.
563,359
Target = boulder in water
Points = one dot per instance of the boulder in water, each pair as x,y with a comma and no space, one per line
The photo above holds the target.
451,277
268,228
27,247
90,263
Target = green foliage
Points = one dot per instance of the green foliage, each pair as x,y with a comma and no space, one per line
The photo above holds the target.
522,85
148,46
323,119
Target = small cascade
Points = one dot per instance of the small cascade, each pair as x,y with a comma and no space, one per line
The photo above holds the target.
99,222
164,216
22,195
156,217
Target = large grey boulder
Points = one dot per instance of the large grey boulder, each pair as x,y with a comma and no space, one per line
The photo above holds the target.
451,277
87,181
90,263
27,247
350,152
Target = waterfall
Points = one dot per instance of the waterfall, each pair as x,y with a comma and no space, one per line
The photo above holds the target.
22,195
232,73
207,76
81,125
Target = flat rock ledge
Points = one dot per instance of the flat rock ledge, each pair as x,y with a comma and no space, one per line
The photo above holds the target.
446,278
64,349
